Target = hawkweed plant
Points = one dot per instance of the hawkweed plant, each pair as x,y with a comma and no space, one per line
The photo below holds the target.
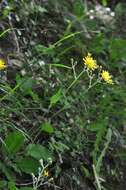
90,65
43,177
90,68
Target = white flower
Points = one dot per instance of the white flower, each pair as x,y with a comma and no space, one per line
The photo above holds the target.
112,14
108,9
91,11
41,63
91,17
23,72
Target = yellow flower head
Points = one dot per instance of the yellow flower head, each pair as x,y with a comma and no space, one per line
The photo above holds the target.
46,173
90,62
106,77
2,64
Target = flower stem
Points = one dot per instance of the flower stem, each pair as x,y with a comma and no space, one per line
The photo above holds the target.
73,83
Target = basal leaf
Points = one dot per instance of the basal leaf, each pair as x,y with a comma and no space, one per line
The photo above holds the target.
28,165
14,142
38,151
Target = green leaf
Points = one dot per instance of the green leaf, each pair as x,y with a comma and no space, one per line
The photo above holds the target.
78,8
38,151
3,184
14,142
117,49
47,127
26,84
41,49
26,188
100,128
4,32
120,9
7,171
41,9
98,44
95,126
60,65
102,155
55,98
85,171
109,135
59,146
104,2
11,186
34,96
28,165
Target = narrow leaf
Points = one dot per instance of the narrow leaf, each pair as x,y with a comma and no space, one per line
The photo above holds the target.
55,98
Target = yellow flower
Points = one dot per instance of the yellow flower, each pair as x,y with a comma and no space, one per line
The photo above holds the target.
2,64
106,77
46,173
90,62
